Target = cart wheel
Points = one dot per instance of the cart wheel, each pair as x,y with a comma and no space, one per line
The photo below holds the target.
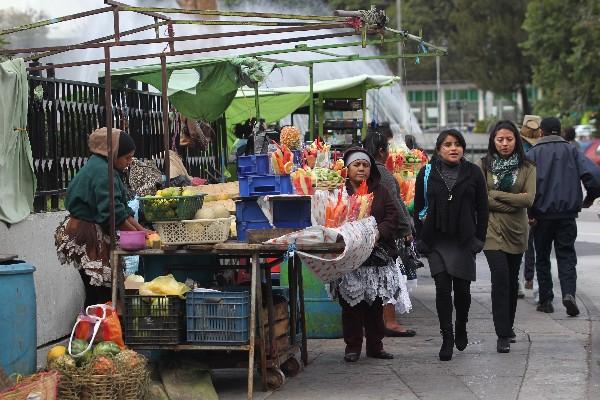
291,367
275,378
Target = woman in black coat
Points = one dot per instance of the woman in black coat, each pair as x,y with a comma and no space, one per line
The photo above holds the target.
452,232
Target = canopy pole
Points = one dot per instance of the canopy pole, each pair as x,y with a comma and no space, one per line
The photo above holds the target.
311,104
364,113
109,145
320,115
165,116
257,103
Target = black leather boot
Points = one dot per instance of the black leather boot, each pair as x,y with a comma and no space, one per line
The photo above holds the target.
460,337
447,345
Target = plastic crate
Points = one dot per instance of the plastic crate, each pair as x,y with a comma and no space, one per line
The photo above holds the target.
150,320
243,227
174,208
253,165
248,210
291,213
195,231
218,317
265,185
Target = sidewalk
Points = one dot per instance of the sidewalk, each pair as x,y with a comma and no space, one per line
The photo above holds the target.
549,361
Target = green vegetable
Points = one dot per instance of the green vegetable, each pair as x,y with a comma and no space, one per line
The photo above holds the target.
78,346
107,348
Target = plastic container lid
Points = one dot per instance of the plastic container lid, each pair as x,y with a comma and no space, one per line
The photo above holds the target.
16,267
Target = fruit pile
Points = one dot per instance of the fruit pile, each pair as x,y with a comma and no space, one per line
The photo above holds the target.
317,154
282,160
359,204
290,136
405,165
173,203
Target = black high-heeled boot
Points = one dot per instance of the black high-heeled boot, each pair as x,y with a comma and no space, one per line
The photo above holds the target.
447,345
460,335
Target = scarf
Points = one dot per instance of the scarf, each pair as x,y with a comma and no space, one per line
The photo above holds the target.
504,171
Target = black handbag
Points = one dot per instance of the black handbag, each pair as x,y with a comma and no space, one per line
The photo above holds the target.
409,255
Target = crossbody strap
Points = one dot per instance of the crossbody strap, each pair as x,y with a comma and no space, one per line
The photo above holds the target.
423,212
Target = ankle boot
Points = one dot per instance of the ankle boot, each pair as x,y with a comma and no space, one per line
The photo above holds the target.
460,336
447,344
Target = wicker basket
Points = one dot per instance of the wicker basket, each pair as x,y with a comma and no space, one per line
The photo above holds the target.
197,231
100,387
173,208
134,385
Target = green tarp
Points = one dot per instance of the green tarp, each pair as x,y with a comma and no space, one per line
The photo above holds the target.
277,103
17,178
200,89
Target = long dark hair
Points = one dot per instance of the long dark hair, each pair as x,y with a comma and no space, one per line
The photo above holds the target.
505,124
450,132
374,142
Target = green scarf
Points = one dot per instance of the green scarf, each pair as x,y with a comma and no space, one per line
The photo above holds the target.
504,171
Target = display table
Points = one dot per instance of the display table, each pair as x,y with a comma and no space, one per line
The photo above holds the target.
271,374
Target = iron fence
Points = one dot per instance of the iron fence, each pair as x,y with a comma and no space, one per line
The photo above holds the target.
63,113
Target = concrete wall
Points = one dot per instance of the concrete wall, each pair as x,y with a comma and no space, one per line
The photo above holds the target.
59,289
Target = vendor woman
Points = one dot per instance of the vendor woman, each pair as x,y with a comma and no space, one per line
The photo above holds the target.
364,291
83,238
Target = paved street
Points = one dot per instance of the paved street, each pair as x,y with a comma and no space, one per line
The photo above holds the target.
555,357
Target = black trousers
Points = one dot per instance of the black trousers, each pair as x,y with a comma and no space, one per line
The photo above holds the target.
561,232
505,287
94,294
444,283
529,271
363,317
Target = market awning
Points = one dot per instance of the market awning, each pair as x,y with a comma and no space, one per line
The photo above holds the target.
277,103
199,89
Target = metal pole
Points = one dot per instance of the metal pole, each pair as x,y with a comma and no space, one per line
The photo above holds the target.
311,104
116,25
109,145
165,116
257,103
438,84
399,26
363,129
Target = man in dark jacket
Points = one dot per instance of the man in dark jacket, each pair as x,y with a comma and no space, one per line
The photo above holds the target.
561,169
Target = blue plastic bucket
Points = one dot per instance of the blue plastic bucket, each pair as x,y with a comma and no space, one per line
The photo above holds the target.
18,332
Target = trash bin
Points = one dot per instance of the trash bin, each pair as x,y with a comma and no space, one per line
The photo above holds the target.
18,332
323,315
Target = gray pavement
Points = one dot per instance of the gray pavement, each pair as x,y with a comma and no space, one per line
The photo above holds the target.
555,357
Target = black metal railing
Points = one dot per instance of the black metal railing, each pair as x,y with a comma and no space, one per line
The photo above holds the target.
63,113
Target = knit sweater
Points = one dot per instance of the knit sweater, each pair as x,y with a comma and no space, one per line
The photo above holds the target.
508,226
87,195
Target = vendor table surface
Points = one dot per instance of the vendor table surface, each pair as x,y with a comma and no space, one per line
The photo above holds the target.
7,257
236,248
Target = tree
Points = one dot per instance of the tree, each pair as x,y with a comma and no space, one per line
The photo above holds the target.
488,43
563,42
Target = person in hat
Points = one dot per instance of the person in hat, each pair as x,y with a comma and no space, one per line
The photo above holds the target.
530,134
561,168
82,239
363,292
451,218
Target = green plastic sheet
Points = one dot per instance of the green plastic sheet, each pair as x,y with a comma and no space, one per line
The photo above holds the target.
17,177
200,89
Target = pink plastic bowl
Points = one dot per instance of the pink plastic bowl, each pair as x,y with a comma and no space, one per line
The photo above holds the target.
132,240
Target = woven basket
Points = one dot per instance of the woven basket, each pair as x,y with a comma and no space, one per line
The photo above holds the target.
100,387
197,231
69,387
134,385
44,383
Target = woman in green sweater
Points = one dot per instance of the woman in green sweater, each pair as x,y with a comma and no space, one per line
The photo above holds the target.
83,238
511,190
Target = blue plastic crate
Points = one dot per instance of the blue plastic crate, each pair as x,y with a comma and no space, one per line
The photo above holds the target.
265,185
257,164
218,317
243,227
291,213
248,210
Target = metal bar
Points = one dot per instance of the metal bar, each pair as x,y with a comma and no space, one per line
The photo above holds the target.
165,116
274,353
249,22
363,128
116,25
197,51
253,290
234,13
293,285
257,103
115,261
150,14
326,53
52,21
262,333
304,350
311,105
109,145
285,63
171,34
37,56
417,39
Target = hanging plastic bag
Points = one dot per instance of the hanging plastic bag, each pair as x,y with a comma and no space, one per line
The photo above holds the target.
100,323
164,286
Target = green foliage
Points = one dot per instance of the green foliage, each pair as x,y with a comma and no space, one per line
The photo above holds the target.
563,41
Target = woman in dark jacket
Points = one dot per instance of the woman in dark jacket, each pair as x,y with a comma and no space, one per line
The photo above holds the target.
363,291
452,232
83,238
377,144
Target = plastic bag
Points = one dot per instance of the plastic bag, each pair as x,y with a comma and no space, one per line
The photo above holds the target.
164,286
359,204
336,213
100,323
